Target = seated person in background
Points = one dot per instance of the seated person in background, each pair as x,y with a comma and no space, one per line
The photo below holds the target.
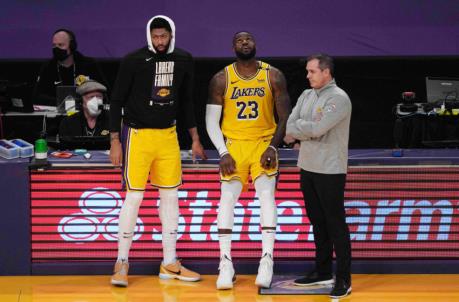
91,123
67,63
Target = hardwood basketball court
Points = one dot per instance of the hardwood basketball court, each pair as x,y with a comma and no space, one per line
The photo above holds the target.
366,287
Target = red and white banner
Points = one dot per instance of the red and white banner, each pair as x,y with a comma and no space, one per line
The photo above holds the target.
392,213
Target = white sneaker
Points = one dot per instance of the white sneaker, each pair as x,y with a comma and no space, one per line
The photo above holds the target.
265,271
227,276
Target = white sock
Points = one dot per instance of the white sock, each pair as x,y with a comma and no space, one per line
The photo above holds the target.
127,221
267,239
169,215
224,241
265,187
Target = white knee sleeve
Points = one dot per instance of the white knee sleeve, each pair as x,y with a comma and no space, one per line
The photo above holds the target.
127,220
169,215
230,192
265,187
169,209
129,212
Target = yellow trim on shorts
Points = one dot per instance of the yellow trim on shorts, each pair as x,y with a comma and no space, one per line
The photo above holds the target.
264,173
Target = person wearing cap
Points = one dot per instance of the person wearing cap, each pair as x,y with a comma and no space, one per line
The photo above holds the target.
91,120
153,88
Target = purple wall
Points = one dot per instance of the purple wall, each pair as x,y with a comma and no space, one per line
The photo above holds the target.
111,28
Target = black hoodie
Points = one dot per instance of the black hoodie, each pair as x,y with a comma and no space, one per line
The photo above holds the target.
153,87
49,77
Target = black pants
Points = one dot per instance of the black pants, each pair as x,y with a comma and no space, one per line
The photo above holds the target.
324,201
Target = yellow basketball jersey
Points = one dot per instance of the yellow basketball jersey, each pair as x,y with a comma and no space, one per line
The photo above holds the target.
248,106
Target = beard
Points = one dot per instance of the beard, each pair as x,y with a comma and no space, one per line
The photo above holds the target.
246,56
166,48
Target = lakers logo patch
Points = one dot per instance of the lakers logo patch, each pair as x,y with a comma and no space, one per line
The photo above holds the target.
163,92
330,108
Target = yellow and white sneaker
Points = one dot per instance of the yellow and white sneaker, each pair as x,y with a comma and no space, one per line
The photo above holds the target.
177,271
120,274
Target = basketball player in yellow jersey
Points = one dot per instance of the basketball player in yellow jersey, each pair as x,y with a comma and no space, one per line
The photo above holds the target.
247,91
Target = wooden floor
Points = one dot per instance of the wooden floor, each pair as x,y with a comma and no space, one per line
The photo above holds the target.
368,288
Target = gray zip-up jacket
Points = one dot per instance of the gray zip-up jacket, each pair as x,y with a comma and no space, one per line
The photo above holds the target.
320,120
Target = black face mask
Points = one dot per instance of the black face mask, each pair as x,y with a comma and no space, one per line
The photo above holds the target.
60,54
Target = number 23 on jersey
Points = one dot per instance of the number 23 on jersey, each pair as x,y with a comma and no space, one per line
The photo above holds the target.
247,110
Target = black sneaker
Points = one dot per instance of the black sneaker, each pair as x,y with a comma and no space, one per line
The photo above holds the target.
314,278
341,289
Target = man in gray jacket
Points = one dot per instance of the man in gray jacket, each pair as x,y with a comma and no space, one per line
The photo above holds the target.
320,121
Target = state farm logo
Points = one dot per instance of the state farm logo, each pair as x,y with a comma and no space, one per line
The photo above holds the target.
99,209
369,220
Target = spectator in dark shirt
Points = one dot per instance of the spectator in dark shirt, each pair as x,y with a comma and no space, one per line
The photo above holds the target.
67,64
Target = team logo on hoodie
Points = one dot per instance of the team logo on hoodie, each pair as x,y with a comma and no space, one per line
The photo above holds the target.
163,79
163,92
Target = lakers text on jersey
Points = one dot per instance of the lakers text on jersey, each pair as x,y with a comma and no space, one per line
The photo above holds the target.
248,105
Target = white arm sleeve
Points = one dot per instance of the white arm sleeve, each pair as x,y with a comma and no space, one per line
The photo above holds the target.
213,114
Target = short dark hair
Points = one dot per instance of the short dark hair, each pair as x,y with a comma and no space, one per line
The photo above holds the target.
240,32
160,23
325,61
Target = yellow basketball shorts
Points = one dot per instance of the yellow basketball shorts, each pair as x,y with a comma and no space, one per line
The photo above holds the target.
247,154
155,152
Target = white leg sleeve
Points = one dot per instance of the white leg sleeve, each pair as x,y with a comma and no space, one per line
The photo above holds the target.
265,187
169,215
127,220
230,191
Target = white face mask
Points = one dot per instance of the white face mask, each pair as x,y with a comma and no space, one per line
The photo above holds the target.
93,106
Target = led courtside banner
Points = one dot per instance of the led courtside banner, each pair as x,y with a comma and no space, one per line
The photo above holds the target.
393,212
